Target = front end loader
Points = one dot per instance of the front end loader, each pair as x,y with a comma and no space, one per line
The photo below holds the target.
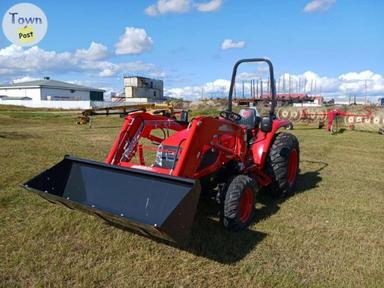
229,157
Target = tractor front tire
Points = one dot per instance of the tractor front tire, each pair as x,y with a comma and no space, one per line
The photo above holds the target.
283,164
239,203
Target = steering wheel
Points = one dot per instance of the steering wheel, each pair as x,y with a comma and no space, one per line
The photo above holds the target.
229,115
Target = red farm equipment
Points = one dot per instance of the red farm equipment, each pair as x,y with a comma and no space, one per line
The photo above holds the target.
333,118
231,157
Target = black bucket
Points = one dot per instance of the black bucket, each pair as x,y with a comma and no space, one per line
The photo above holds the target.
149,203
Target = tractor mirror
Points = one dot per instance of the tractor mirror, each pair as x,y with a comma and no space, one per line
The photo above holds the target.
184,116
266,124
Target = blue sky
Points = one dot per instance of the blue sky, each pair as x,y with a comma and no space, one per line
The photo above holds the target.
339,43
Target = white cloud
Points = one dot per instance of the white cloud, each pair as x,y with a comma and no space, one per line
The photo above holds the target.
133,41
95,51
158,74
356,83
18,61
261,71
359,76
107,72
209,6
24,79
187,93
318,5
151,10
217,88
247,76
10,50
168,6
359,82
181,6
34,59
109,69
308,82
229,44
353,83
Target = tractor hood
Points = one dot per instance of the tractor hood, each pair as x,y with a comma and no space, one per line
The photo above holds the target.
169,150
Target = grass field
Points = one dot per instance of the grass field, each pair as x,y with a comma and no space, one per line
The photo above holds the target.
329,234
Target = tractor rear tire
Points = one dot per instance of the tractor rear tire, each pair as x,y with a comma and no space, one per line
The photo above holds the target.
283,164
239,203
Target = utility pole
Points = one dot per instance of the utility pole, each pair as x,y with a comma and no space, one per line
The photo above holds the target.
257,89
305,85
366,94
289,85
311,86
298,86
251,87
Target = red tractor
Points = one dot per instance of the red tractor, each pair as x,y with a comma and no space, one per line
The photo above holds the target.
230,156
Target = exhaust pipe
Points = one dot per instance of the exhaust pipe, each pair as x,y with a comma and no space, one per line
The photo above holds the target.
149,203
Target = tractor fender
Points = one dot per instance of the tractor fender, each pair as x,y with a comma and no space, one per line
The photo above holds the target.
260,148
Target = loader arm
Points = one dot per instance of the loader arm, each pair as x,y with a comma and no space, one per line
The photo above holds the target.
137,125
206,133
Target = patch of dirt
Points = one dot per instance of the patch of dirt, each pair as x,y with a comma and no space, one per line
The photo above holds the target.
16,135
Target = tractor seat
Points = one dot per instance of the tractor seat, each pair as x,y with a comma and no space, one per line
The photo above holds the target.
249,117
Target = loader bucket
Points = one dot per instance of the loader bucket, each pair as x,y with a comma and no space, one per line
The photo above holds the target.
149,203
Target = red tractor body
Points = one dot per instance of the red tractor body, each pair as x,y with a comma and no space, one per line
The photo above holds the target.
229,157
195,150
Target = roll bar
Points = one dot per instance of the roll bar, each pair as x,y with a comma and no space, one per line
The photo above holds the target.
271,76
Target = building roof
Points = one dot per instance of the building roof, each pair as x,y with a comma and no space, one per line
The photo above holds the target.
48,83
142,77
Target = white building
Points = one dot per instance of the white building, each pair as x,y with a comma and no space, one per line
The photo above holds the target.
47,93
142,87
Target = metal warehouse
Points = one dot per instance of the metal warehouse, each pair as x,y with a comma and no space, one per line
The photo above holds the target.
49,93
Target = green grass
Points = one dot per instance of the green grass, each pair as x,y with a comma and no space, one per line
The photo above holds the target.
330,233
